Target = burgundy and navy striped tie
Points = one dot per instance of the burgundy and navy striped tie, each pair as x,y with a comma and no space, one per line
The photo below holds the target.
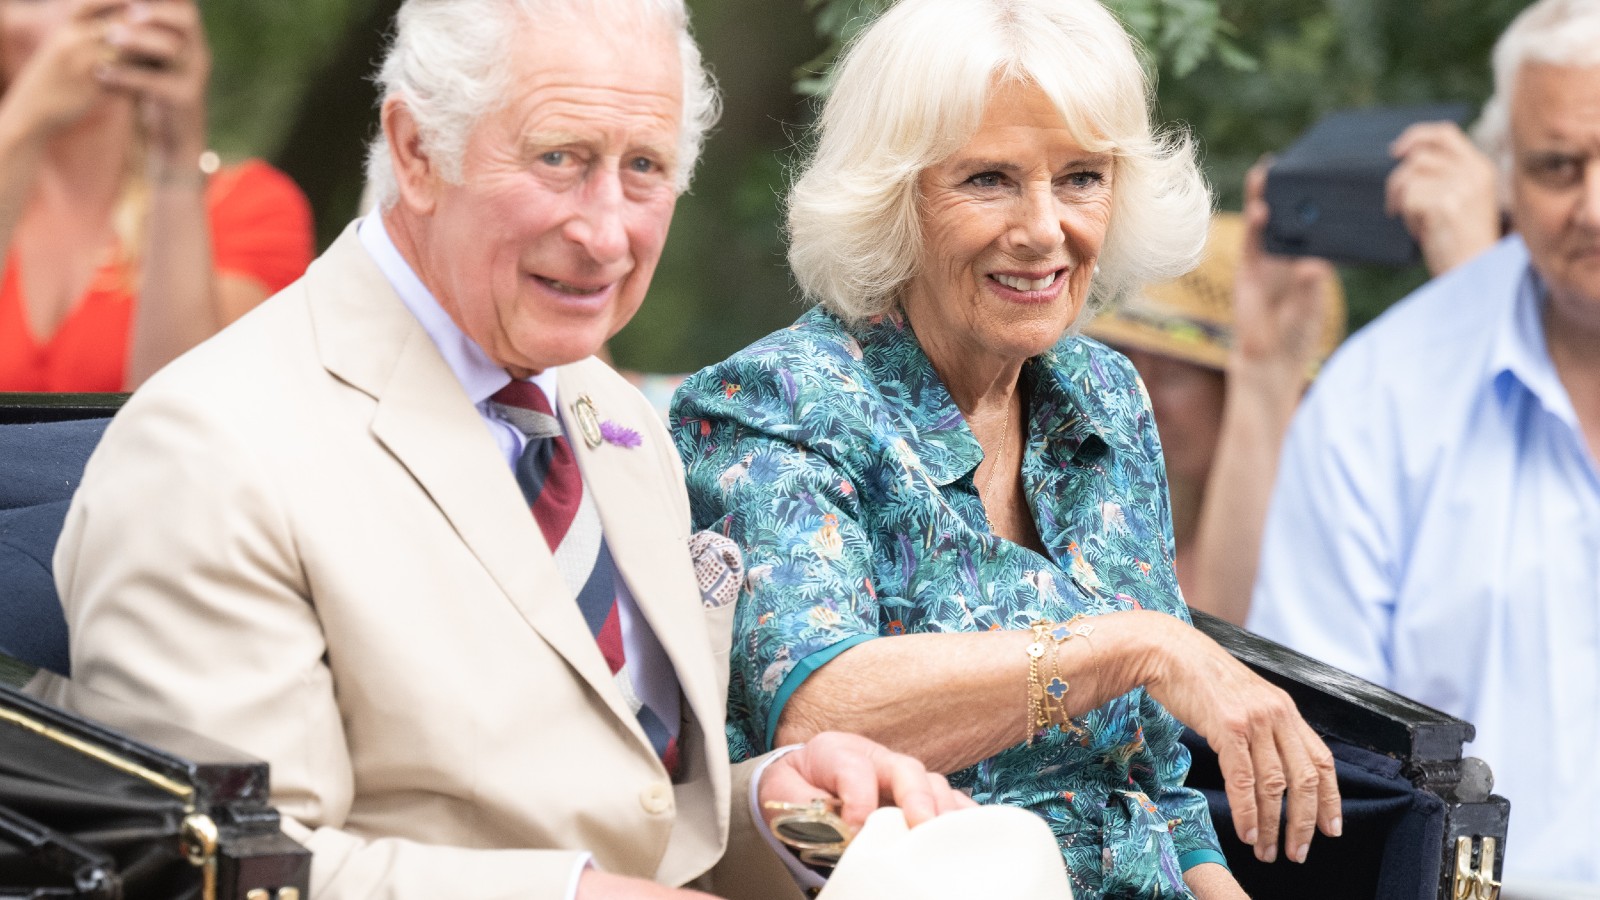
550,480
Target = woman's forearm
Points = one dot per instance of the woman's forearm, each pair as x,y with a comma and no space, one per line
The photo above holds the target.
177,306
1210,881
179,298
946,699
951,700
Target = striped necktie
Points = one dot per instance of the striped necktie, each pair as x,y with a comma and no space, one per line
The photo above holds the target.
550,480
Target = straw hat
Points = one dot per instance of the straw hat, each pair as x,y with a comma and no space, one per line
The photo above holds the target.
1191,317
987,851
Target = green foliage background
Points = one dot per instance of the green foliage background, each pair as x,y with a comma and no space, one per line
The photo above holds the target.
1246,76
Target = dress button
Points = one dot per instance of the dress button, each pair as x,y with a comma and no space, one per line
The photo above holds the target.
657,799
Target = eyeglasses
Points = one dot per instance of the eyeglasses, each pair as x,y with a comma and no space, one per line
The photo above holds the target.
814,829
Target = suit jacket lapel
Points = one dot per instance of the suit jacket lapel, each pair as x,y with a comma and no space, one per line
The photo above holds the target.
632,489
368,339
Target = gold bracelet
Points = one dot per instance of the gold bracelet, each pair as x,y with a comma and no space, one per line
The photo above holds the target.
1035,711
1047,700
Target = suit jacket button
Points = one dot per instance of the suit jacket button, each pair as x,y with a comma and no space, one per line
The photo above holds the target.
656,799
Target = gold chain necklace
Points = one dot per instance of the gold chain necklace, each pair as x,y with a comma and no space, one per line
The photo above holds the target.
988,482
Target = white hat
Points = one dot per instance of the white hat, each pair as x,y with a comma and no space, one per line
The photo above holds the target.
987,851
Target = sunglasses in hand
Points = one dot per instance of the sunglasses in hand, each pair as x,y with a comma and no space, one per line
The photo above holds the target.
813,829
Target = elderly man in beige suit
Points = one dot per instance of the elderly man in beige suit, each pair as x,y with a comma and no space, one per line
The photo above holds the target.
311,537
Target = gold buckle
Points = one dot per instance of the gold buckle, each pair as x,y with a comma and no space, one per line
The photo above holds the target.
814,829
1479,883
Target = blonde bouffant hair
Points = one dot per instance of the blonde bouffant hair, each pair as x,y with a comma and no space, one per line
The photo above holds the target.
911,90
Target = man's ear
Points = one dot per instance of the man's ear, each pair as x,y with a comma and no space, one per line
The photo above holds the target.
414,170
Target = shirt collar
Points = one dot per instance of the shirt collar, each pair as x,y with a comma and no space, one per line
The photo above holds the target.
478,374
1070,387
939,435
1519,354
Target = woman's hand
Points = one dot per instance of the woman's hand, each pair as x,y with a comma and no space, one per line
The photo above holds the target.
163,60
61,82
1444,189
1264,748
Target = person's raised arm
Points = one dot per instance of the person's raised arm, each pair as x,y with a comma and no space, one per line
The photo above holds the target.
164,62
1280,308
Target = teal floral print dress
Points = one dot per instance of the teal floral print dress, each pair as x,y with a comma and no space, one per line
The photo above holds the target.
837,460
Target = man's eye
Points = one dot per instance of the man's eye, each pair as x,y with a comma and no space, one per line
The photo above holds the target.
1555,169
644,165
553,158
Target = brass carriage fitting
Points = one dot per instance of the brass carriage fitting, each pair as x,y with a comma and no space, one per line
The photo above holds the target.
199,842
1479,883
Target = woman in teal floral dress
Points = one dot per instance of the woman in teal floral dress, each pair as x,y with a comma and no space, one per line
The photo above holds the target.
953,508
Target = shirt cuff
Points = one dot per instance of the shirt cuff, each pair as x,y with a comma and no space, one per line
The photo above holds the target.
585,862
1187,861
801,671
802,873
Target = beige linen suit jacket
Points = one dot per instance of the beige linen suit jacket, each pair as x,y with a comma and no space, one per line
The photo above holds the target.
301,539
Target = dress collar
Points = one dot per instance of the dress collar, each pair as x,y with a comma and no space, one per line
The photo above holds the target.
1061,410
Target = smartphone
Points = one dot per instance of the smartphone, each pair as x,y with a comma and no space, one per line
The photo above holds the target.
1325,191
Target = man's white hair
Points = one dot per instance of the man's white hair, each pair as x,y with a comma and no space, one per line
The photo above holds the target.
1556,32
449,62
911,91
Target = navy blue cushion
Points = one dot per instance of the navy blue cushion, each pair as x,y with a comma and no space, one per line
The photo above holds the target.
43,463
40,467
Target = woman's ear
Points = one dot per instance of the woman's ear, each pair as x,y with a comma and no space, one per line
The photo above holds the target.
415,172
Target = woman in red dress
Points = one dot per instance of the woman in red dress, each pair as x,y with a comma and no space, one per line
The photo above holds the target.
125,245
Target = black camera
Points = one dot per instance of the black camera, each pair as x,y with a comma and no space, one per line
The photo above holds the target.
1326,190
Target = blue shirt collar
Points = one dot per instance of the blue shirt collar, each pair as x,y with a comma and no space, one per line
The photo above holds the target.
478,374
1519,355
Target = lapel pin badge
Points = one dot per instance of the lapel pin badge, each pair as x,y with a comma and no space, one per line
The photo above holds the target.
588,421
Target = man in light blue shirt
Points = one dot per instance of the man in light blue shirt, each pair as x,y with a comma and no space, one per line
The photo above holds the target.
1436,526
